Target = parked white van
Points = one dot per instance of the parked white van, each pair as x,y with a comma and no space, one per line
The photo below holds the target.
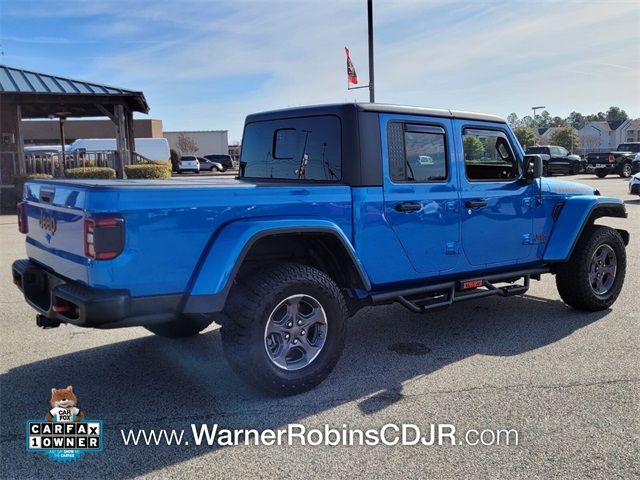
156,149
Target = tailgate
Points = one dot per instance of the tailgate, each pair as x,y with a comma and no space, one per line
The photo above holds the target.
55,221
594,158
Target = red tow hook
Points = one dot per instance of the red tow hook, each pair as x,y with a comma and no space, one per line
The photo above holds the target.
61,308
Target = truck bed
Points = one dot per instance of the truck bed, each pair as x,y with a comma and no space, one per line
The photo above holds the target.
165,221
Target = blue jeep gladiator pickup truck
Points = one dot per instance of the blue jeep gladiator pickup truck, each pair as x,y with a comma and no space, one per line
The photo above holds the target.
335,207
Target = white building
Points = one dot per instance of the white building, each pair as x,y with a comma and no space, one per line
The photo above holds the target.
543,135
631,131
204,142
601,136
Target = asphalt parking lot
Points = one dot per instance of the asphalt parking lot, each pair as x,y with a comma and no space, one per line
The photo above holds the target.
567,381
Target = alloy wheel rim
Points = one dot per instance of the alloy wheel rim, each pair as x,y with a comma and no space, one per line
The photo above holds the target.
602,269
296,332
626,169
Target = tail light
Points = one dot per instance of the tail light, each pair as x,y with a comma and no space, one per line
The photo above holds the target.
23,225
103,237
612,158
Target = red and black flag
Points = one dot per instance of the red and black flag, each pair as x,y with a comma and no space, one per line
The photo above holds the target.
352,76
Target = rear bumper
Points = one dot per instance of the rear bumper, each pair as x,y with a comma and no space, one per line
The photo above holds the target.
608,167
66,301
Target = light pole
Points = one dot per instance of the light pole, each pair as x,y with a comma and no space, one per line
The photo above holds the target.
371,87
534,111
372,93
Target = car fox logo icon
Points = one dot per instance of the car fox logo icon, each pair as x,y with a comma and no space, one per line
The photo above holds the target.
64,434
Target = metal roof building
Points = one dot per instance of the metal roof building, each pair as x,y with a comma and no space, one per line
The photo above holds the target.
41,94
27,94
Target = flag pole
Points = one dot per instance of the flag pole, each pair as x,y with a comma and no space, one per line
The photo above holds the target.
372,94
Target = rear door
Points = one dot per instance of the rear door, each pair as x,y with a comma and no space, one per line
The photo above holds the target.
421,200
497,207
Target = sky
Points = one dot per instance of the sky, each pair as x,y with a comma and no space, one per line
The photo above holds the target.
205,65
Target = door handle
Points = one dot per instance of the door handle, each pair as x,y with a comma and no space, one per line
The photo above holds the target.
476,203
408,206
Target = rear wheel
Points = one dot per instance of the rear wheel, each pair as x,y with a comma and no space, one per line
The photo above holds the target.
284,328
185,326
593,277
601,173
625,171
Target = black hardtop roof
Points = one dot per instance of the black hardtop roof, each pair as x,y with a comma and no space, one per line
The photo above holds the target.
339,108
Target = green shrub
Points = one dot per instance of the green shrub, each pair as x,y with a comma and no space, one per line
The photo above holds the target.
91,172
20,180
82,163
148,170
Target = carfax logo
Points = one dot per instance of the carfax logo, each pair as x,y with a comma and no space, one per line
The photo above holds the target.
64,434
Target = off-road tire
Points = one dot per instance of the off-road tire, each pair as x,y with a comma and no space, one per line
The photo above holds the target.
572,277
248,308
185,326
626,170
601,174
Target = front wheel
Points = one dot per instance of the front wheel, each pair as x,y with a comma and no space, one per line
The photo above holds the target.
593,277
575,169
284,328
625,172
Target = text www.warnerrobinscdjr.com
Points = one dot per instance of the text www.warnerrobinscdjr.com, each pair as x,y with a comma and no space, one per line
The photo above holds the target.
296,434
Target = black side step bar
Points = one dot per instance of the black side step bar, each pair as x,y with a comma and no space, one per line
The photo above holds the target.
442,295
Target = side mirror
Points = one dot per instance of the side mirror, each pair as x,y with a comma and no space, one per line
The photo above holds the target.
533,166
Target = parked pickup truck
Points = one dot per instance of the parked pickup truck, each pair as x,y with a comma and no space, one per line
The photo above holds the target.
619,162
557,159
334,209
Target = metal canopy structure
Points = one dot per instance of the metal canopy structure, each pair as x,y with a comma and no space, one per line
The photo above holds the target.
41,95
25,94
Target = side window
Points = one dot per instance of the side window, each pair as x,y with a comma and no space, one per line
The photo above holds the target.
563,151
305,148
417,153
488,155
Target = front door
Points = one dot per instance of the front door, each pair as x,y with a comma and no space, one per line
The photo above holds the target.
421,201
559,160
497,206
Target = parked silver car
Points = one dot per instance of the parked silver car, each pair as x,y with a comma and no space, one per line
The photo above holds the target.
189,163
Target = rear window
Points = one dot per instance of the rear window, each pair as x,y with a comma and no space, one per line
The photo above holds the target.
188,159
538,150
293,149
629,147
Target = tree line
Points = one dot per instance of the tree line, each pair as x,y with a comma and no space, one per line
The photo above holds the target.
566,135
575,119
